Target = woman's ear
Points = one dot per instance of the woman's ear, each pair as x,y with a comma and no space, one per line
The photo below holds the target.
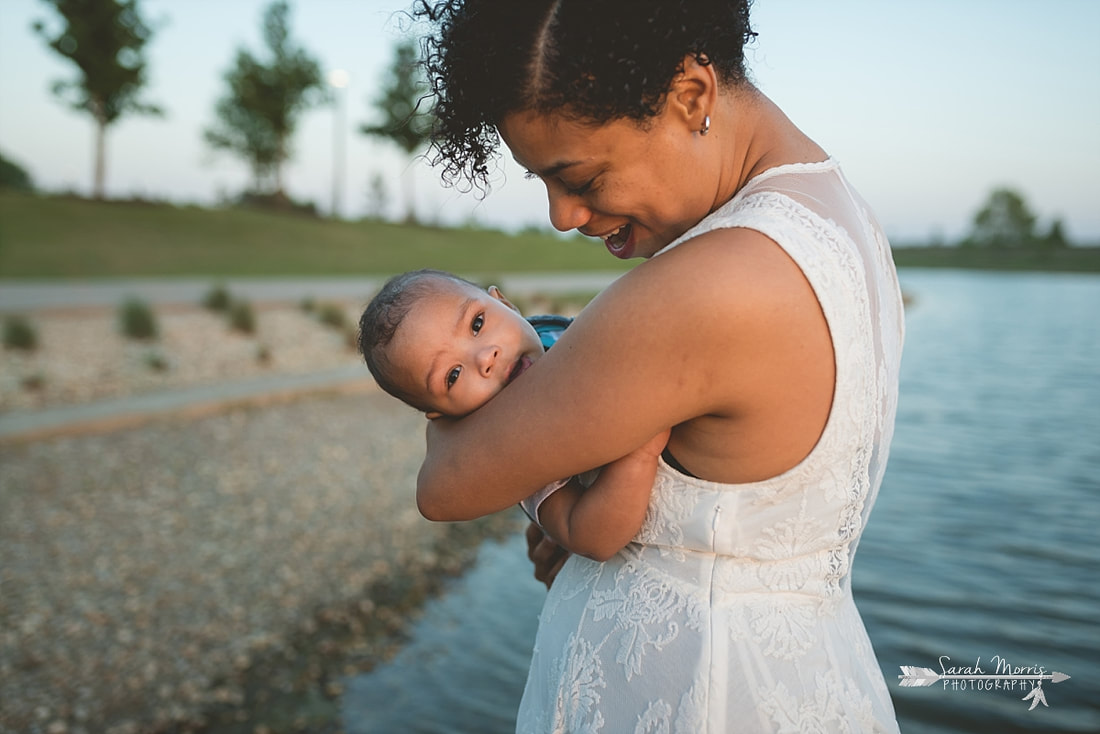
693,95
495,293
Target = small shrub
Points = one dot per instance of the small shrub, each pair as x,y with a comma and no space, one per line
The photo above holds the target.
308,305
19,333
241,317
33,382
217,298
351,338
136,320
14,176
156,361
263,354
278,202
331,314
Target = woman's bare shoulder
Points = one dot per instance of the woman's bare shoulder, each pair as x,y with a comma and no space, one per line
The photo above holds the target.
736,273
736,337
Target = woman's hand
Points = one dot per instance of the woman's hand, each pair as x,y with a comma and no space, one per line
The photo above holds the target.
547,555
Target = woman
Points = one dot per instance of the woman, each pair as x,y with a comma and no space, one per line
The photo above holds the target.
765,329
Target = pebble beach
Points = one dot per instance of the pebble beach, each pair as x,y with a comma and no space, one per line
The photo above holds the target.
218,573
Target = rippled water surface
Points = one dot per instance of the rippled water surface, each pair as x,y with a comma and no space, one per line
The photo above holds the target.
983,542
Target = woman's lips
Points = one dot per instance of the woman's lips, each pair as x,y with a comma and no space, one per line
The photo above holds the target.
620,243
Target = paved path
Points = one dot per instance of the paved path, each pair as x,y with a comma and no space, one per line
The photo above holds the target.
29,295
113,413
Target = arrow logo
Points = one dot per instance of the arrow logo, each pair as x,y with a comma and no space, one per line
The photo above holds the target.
917,677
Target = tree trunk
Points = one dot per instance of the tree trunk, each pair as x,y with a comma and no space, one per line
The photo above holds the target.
98,175
410,193
279,193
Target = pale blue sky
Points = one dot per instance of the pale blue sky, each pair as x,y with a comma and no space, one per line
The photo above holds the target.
928,105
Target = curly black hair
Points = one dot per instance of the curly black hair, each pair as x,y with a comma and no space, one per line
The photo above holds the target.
593,60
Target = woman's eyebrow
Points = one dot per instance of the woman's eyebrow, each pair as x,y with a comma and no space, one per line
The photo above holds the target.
553,170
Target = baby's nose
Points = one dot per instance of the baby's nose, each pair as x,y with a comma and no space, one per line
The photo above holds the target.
487,358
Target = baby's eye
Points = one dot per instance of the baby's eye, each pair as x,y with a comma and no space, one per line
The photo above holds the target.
452,376
479,321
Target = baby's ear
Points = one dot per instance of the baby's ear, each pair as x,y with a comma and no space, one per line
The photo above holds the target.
495,293
432,415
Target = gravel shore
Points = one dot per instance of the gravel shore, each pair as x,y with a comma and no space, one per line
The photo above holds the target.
206,575
81,356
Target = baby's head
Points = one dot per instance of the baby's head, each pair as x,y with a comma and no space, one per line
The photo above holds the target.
442,344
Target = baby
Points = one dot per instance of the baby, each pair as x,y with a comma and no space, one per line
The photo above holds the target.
446,347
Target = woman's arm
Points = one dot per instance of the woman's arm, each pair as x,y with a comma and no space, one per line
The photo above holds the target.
599,521
708,329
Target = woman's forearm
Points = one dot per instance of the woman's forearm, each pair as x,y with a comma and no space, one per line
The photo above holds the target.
459,483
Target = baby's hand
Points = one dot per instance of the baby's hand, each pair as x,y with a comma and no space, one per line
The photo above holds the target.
547,555
654,446
648,453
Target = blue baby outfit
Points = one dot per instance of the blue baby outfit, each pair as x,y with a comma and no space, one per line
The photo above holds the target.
550,328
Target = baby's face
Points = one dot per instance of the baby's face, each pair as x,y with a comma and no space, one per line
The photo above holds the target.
459,346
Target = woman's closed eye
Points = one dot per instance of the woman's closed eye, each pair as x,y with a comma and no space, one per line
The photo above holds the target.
579,190
571,190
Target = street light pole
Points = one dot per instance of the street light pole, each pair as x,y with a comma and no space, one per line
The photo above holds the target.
338,79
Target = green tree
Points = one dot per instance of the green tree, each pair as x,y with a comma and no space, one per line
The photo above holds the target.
1004,221
106,40
377,196
399,106
1055,238
260,110
14,176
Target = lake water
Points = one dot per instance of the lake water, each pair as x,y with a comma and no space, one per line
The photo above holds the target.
983,542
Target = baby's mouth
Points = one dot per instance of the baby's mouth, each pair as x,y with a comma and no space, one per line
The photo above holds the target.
519,368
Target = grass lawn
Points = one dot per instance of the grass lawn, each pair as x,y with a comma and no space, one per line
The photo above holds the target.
63,237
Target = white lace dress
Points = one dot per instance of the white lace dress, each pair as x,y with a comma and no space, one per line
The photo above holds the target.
732,609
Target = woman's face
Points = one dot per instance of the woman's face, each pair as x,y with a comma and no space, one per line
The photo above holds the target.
636,188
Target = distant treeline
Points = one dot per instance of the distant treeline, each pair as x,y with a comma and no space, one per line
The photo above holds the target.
1066,259
1004,235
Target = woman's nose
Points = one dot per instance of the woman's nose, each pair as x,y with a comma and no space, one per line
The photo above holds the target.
567,211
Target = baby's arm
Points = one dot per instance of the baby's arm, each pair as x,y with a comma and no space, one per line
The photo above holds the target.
599,521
